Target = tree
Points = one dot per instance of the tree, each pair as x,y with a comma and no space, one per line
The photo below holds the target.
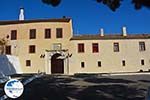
54,3
112,4
3,43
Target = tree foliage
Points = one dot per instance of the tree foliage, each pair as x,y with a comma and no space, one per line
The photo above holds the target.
138,4
3,43
112,4
54,3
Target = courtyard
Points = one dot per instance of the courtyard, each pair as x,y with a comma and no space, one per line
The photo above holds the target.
87,87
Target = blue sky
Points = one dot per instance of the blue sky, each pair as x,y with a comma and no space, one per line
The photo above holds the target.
88,16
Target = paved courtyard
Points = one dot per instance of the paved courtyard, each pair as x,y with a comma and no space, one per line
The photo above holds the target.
87,87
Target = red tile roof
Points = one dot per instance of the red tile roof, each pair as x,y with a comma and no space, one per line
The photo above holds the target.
112,36
34,21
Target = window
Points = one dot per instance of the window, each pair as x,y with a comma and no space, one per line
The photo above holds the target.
28,62
57,46
82,65
32,33
47,33
142,62
99,63
32,49
116,47
80,47
142,46
13,34
8,50
123,63
95,47
59,33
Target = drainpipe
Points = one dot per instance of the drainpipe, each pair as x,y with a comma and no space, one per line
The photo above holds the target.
68,64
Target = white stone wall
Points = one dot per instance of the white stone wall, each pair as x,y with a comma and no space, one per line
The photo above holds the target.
9,65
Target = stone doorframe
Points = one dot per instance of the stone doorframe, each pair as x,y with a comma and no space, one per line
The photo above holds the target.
64,55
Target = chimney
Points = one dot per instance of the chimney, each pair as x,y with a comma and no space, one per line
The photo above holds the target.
124,31
101,32
21,15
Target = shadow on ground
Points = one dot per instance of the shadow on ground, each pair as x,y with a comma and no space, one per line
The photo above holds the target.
107,80
59,88
147,81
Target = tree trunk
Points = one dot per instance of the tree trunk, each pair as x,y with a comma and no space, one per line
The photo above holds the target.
2,49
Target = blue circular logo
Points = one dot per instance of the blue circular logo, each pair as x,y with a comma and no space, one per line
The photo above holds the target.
13,88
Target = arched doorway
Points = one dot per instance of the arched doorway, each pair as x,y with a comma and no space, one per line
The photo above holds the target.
57,65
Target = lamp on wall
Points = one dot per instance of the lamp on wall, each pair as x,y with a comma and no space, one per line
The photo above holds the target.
15,46
42,56
7,36
69,55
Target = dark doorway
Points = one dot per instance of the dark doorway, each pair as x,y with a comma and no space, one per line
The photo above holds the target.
57,65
